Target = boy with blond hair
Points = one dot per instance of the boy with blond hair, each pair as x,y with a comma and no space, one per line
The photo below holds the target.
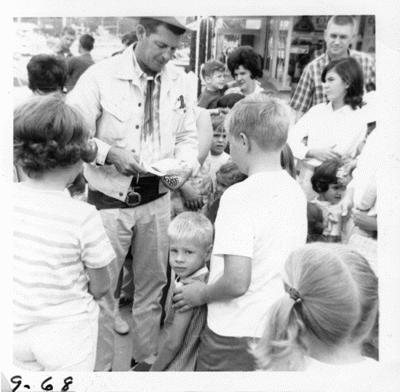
259,222
190,235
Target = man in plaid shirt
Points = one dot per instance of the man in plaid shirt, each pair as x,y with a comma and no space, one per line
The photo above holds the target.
338,36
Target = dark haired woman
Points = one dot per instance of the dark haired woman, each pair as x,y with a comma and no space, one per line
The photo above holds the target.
244,65
334,129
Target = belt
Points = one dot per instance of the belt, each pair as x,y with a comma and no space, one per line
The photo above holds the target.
141,192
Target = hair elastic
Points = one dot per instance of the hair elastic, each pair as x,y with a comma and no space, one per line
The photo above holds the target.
293,293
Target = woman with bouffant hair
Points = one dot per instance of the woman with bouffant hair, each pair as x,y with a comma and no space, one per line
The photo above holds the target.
61,251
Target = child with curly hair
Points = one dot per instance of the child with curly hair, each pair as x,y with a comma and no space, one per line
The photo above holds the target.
61,251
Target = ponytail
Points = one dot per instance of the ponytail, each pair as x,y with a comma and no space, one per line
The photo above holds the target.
282,347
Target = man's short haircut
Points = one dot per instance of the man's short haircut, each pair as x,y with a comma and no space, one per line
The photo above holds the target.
350,71
261,118
49,134
151,24
325,175
46,73
341,20
192,226
87,42
246,57
129,38
210,67
68,30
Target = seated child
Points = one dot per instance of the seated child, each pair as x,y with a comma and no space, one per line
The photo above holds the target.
255,218
329,308
213,74
330,186
61,251
191,236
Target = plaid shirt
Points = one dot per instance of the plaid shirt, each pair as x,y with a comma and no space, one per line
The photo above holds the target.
309,91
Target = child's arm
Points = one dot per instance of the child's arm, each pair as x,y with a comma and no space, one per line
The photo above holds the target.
99,281
234,282
174,334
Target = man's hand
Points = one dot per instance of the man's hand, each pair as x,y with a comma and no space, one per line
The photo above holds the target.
125,161
322,154
189,296
364,221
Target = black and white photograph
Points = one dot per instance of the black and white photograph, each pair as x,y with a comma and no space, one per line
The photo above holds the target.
197,189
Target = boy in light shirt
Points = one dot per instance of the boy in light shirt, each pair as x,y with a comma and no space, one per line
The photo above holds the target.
259,222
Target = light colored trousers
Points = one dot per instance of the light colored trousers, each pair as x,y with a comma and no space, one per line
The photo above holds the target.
145,228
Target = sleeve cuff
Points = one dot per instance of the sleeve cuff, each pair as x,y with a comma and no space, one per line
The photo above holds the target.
103,149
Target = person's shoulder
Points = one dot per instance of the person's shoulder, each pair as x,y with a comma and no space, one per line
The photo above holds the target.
361,55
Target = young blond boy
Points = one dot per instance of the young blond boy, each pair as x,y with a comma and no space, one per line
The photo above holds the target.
259,222
191,236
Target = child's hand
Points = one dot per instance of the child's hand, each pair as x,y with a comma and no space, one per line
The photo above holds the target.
189,296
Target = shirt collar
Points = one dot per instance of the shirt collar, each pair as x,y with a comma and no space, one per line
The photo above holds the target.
201,271
328,59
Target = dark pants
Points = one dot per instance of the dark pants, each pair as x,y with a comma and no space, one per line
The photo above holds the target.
224,353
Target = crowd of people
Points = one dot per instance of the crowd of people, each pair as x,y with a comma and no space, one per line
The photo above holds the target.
241,230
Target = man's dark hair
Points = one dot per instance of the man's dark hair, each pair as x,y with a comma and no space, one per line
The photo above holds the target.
246,57
350,72
46,73
325,174
87,42
151,24
129,38
68,30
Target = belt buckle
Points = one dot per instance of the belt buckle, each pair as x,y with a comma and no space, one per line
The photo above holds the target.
133,198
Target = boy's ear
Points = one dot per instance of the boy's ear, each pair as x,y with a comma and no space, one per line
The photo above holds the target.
245,141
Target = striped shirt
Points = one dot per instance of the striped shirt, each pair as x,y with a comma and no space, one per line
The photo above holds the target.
55,238
309,91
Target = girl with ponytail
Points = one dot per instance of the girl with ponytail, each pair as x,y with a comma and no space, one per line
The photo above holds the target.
327,312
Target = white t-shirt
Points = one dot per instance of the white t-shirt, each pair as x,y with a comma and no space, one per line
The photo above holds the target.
263,218
55,238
